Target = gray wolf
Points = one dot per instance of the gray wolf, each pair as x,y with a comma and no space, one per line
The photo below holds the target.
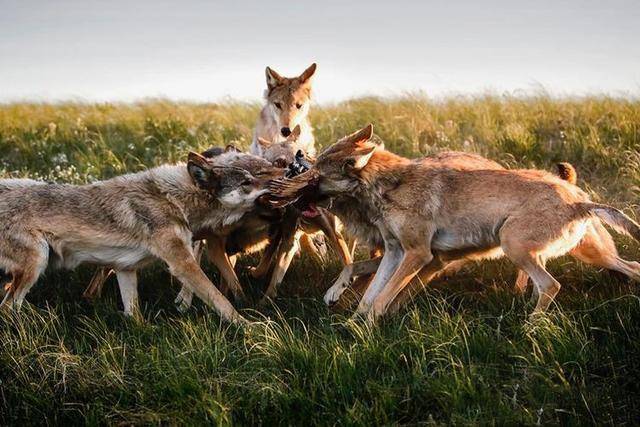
222,244
124,223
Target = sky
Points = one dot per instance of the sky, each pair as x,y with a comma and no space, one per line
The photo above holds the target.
212,50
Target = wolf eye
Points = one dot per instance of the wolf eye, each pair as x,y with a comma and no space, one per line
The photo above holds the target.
278,105
298,106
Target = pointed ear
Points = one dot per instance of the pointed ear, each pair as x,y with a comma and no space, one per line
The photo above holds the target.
197,159
199,170
363,156
360,158
361,136
295,134
273,78
308,73
264,143
212,152
231,148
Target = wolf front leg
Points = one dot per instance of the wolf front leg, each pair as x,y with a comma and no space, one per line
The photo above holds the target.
288,248
128,283
411,263
217,254
416,270
184,298
392,256
328,225
429,272
175,250
282,258
267,259
349,272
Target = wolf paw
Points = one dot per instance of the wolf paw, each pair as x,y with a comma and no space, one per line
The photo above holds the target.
183,300
336,290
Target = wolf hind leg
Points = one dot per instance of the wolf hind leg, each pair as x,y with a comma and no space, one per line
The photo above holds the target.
546,287
598,248
94,289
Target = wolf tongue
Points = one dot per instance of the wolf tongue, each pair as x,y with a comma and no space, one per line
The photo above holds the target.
311,211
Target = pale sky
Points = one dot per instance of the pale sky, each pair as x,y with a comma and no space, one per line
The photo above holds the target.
209,50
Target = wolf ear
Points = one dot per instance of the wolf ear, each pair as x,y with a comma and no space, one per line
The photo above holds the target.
264,143
273,78
199,170
308,73
361,136
295,134
231,148
212,152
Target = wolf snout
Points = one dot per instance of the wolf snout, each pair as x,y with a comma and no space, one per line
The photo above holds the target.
285,131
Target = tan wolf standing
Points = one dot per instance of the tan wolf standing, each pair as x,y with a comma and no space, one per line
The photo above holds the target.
124,223
288,102
429,216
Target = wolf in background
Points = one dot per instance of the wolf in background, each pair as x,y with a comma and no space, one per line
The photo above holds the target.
287,106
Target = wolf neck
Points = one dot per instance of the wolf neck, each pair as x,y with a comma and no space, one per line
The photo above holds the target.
361,211
383,172
201,210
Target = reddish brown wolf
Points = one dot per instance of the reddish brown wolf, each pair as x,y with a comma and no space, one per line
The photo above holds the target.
428,216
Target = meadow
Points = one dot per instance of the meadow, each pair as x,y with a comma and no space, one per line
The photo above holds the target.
462,353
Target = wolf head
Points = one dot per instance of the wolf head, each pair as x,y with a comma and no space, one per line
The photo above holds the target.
288,98
258,167
281,154
338,170
233,187
339,167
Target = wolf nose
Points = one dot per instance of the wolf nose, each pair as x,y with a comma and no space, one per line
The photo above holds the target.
285,131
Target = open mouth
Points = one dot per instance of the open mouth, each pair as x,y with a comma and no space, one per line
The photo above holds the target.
310,211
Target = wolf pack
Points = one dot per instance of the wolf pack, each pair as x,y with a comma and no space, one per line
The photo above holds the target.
418,219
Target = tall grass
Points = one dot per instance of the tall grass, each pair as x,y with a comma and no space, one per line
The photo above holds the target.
463,353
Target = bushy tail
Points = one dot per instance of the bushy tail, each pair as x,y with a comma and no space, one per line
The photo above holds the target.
567,172
615,218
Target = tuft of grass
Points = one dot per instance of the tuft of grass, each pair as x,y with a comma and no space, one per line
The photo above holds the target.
462,353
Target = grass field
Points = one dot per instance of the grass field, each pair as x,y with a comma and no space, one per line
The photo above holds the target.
464,353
